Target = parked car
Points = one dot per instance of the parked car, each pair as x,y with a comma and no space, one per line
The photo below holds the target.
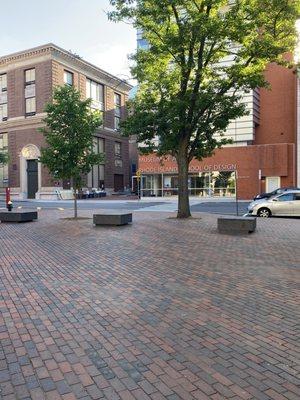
286,204
276,191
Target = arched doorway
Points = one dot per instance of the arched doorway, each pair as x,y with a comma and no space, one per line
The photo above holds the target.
30,172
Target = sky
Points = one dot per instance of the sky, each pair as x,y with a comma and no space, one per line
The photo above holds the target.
81,26
77,25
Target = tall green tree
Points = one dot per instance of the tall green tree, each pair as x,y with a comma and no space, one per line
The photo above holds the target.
69,130
202,56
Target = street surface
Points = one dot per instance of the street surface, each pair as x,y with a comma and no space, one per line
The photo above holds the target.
215,206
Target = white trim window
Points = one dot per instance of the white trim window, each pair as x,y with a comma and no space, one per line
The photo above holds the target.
3,97
3,112
30,106
118,154
68,78
30,76
95,91
30,101
3,83
117,102
96,176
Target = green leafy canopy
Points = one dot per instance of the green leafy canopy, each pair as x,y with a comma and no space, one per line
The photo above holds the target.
202,56
69,130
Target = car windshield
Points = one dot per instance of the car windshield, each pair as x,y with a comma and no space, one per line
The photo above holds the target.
274,195
278,191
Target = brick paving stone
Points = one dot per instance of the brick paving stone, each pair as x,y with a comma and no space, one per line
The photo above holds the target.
199,395
275,395
126,395
53,395
162,309
94,392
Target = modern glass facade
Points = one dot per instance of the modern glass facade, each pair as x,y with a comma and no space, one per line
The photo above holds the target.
203,184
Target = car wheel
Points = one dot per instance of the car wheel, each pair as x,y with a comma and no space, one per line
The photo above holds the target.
264,213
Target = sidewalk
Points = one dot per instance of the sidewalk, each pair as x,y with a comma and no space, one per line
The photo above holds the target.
160,310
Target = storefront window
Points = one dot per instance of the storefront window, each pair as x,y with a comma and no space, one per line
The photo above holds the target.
208,184
96,176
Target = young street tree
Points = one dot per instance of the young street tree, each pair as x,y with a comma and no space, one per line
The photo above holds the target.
202,55
69,131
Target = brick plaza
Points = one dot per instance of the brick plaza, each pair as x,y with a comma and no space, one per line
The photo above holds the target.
162,309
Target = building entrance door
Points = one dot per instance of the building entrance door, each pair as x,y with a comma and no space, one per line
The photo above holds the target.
32,178
118,182
272,183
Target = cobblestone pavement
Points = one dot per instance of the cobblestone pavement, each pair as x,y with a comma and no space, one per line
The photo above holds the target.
162,309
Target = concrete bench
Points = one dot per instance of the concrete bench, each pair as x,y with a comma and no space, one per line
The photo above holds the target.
112,218
18,216
236,225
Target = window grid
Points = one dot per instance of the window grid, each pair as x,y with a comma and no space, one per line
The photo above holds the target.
3,112
30,100
95,91
97,173
117,101
30,76
3,97
3,82
68,78
118,155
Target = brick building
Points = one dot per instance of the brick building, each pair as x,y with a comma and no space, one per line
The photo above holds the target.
27,79
265,154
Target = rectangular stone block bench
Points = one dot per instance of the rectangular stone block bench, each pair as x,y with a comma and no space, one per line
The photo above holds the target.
112,218
236,225
18,216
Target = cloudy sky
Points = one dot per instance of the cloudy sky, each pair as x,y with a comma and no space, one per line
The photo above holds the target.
78,25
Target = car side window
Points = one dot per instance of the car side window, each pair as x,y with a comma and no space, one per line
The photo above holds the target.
286,197
297,196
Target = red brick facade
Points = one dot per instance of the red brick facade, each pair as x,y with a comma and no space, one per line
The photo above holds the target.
50,62
273,151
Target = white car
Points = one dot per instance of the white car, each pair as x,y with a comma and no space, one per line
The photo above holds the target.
286,204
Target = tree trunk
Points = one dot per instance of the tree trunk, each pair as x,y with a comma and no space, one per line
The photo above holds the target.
74,187
183,192
75,203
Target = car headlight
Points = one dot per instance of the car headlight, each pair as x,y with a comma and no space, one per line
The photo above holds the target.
251,206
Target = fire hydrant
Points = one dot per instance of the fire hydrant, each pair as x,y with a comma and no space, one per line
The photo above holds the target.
9,206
